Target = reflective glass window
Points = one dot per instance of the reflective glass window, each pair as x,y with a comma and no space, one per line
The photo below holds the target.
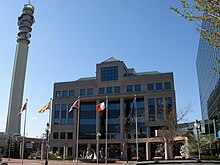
159,86
90,91
160,112
62,135
82,92
137,88
71,92
167,85
101,90
109,90
129,88
151,109
55,135
150,87
109,73
117,89
64,93
58,94
69,135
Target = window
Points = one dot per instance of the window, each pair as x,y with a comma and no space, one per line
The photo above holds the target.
64,93
137,88
71,92
151,109
90,91
57,114
82,92
101,90
69,135
58,94
159,86
129,88
55,135
63,114
109,90
109,73
150,87
62,135
167,85
117,89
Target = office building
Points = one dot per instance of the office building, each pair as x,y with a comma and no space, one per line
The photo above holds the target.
121,85
207,78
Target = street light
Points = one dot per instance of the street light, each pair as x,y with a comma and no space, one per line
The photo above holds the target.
97,147
197,127
47,130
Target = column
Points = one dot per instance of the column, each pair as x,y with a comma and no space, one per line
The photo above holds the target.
148,151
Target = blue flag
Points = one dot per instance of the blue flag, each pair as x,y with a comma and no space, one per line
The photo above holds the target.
133,106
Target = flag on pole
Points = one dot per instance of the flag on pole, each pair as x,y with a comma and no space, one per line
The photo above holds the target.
75,105
133,106
47,106
101,106
24,107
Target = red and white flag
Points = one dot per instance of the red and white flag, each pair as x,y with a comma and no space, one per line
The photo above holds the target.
24,107
75,105
100,106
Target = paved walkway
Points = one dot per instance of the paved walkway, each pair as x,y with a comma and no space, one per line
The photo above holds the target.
68,162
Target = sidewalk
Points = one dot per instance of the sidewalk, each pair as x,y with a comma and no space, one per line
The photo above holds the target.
50,162
69,162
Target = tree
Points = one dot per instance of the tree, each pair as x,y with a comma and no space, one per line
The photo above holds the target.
207,12
169,125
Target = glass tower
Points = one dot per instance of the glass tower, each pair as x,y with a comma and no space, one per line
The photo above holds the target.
207,78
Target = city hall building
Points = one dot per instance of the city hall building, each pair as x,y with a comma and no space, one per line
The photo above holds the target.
120,85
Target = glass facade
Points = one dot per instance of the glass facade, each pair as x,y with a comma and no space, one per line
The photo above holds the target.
64,93
150,87
63,114
109,90
101,90
57,114
109,73
160,111
82,92
137,88
71,92
87,121
207,78
90,91
167,85
159,86
117,89
58,94
129,88
151,109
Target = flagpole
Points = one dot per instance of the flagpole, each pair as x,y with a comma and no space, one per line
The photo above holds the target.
136,122
106,132
50,110
77,135
22,154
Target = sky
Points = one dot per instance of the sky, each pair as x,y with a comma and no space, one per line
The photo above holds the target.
70,37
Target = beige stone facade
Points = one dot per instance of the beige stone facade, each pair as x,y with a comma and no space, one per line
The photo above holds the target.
121,85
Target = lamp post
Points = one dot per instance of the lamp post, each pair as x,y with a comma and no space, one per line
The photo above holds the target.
97,147
47,130
197,127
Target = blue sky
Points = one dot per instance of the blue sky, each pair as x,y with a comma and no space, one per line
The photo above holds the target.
70,37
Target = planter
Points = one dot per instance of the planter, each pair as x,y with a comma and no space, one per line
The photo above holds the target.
158,158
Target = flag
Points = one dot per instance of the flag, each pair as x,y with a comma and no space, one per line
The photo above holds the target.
24,107
101,106
75,105
133,106
47,106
